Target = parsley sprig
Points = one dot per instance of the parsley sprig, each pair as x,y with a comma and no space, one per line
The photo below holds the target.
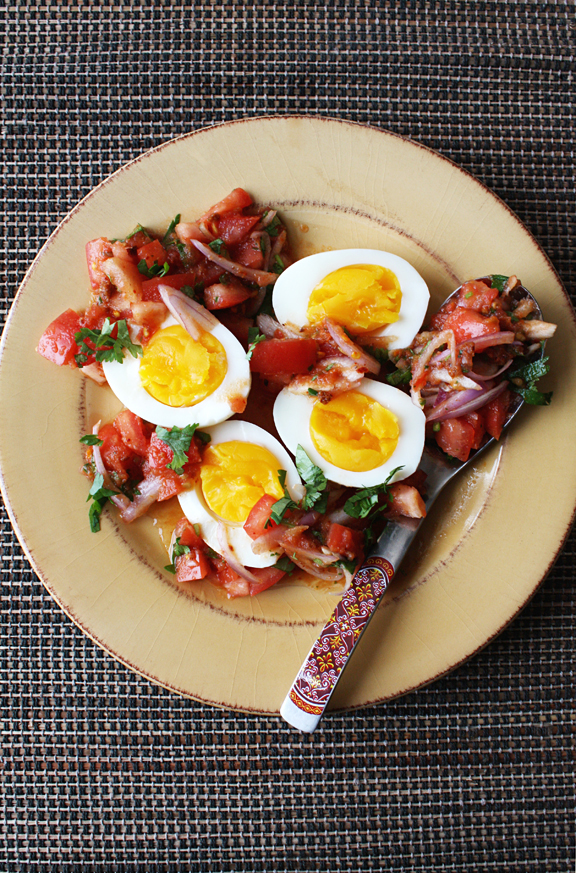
314,480
523,381
281,507
91,439
498,281
254,337
156,271
399,377
366,502
177,551
170,230
105,347
99,495
179,440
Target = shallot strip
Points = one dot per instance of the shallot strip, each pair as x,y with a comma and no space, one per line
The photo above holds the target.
494,339
247,273
191,315
270,328
462,402
487,377
445,337
148,489
119,500
351,349
231,558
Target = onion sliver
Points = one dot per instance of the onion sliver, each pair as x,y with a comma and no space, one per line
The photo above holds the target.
269,327
231,558
247,273
191,315
149,489
465,402
351,349
494,339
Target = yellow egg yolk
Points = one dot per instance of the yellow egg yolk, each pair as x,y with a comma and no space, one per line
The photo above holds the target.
363,298
180,371
235,475
354,432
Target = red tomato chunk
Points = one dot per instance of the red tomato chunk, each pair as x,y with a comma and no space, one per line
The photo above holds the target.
258,521
57,343
291,356
345,541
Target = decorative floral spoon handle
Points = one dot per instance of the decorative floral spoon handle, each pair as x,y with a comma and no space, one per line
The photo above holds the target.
307,699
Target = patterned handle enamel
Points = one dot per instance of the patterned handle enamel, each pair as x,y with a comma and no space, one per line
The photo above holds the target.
319,674
306,701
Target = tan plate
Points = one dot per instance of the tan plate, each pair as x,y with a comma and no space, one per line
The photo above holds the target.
488,543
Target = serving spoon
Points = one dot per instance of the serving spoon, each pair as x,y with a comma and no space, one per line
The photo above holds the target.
314,685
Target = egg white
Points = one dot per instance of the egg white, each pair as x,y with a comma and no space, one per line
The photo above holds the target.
294,286
198,512
292,419
124,380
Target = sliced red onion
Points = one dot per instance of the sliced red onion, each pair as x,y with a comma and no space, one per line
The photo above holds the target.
303,560
351,349
266,219
488,377
464,402
191,315
247,273
494,339
231,558
270,327
278,245
263,241
310,518
269,541
149,489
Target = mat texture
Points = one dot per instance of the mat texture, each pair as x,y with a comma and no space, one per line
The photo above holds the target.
100,769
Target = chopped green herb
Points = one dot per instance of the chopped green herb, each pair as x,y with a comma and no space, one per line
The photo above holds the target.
178,439
523,381
281,507
99,495
347,565
312,392
177,551
285,564
171,227
155,271
105,347
278,265
216,245
91,440
224,279
137,229
399,377
498,281
314,480
436,426
366,501
275,226
468,295
380,354
254,337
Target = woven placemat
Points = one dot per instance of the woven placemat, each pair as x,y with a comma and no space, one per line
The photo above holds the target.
100,769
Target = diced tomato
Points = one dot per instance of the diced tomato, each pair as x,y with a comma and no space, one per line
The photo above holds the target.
476,295
292,356
222,296
456,437
184,531
233,227
259,517
116,455
476,419
237,200
192,566
495,414
248,253
153,253
345,541
172,485
178,280
405,500
160,455
98,251
468,324
267,577
227,578
132,432
57,343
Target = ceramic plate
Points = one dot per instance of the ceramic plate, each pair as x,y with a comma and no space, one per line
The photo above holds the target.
490,539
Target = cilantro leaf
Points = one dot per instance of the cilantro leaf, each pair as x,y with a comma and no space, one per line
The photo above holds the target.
378,353
155,271
281,507
217,245
499,281
367,500
178,439
315,481
254,337
91,440
137,229
527,376
399,377
278,265
105,347
177,551
99,495
285,564
171,227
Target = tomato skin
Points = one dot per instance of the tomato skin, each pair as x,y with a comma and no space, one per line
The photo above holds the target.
267,577
292,356
150,290
98,251
495,414
237,200
476,295
160,455
153,252
468,324
233,227
132,432
345,541
192,567
115,454
248,253
57,343
233,584
476,420
456,437
221,296
259,517
185,533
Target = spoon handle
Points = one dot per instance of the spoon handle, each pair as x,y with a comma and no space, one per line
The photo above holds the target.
308,697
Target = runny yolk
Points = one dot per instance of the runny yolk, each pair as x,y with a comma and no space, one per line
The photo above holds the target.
362,297
354,432
180,371
235,475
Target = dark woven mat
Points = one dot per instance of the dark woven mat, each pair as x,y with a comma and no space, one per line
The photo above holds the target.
100,769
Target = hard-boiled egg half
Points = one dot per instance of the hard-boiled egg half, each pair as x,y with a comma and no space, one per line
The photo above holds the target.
369,292
239,466
180,380
359,437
